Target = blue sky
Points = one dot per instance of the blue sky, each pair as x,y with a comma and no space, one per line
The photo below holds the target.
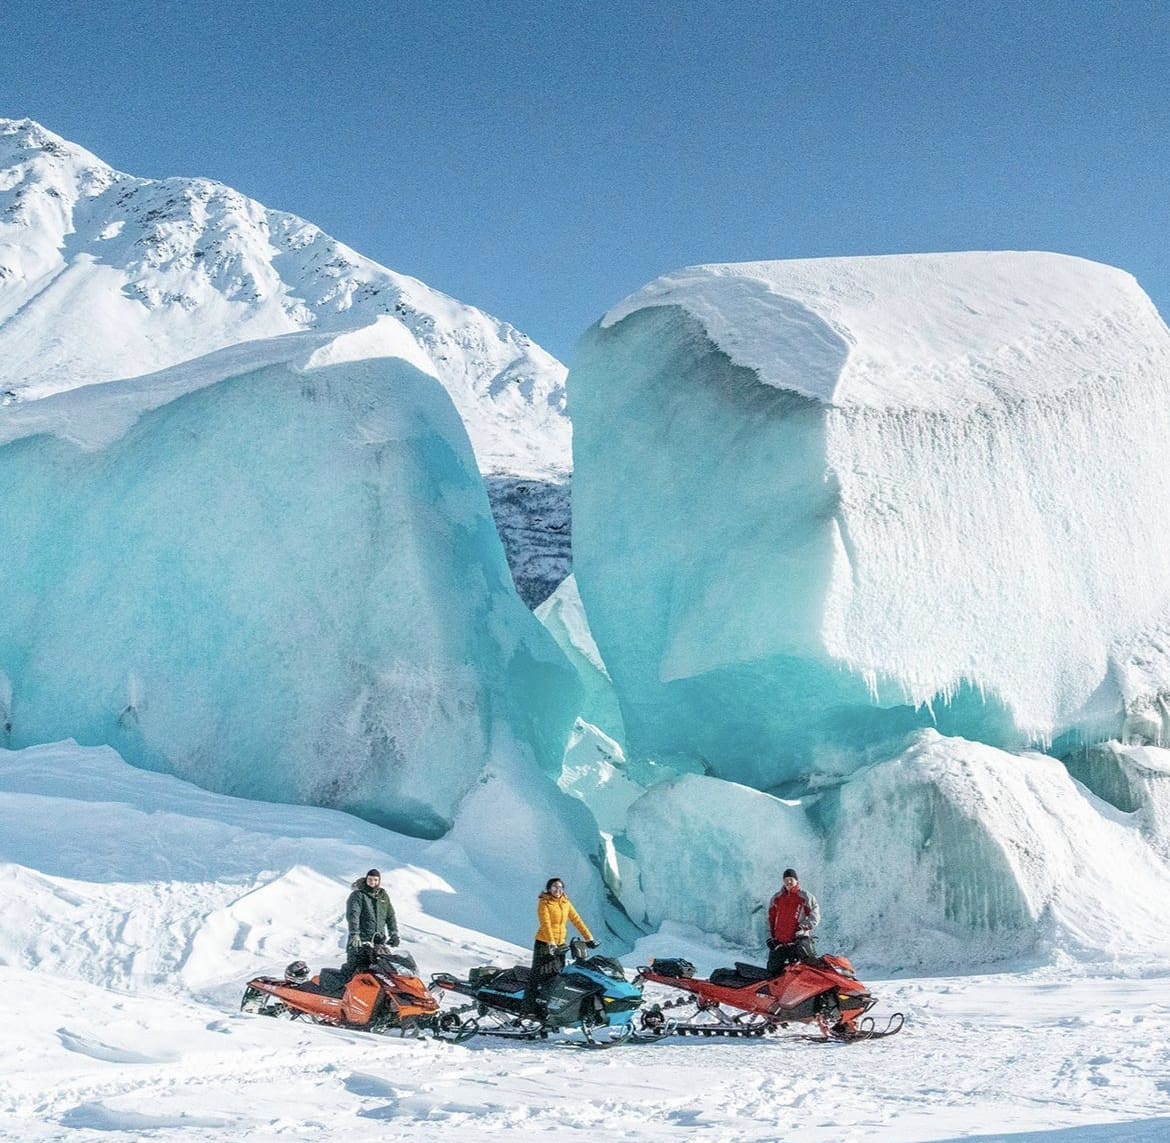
543,160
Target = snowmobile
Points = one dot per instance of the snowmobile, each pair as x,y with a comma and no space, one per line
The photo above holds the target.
384,996
591,995
824,991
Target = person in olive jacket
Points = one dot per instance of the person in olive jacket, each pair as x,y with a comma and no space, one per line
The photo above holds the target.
370,918
554,911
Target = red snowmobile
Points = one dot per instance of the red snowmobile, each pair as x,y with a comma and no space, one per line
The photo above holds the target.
824,991
385,996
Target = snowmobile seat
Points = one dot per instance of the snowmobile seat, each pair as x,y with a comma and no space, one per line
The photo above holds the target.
728,978
740,976
672,966
752,972
483,974
513,979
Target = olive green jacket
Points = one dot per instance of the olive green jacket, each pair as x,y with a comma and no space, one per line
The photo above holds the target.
368,913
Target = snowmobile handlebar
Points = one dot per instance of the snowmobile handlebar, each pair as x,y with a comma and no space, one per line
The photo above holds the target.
580,948
382,950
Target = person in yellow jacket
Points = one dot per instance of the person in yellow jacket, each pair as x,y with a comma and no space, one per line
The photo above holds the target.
554,911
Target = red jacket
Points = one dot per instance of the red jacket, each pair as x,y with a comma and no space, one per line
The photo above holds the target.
792,914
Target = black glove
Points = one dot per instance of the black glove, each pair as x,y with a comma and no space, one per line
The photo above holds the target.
379,939
392,940
592,944
773,944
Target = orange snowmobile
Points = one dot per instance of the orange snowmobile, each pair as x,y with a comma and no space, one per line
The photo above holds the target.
824,992
385,996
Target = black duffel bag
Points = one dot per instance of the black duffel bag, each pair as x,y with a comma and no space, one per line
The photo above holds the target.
672,966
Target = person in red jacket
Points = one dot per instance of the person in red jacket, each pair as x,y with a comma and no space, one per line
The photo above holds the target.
792,916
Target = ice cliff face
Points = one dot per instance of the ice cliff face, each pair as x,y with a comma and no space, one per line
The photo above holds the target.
821,503
273,571
106,276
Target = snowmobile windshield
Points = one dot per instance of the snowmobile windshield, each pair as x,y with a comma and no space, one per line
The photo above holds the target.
607,966
399,960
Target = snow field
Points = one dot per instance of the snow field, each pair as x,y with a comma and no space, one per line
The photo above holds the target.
1078,1060
133,907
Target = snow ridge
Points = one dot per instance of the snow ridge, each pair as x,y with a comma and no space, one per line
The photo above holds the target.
104,275
940,332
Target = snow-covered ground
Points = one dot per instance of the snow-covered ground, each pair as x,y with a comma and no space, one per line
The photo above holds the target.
133,907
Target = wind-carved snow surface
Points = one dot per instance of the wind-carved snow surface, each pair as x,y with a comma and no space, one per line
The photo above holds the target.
106,276
820,503
272,571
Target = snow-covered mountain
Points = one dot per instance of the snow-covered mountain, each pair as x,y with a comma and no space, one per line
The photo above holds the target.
106,276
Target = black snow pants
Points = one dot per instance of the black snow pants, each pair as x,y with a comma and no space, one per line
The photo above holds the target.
801,949
547,961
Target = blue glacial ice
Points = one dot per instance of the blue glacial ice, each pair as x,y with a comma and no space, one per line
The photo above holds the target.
564,617
948,854
272,571
819,505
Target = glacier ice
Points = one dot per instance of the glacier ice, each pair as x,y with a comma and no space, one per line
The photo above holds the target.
992,855
1134,779
272,571
564,617
710,853
106,276
819,504
950,853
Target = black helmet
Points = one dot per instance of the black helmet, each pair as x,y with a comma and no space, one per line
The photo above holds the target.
297,972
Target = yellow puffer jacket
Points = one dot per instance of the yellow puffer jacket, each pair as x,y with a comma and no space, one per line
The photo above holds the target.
554,915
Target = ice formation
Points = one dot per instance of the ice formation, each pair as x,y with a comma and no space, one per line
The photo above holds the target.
951,853
818,504
957,852
709,853
1133,779
272,571
564,616
106,276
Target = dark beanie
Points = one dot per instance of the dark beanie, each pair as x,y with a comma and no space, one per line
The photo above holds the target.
373,873
791,873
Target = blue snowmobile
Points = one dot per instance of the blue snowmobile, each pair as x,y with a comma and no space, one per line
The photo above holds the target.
590,995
